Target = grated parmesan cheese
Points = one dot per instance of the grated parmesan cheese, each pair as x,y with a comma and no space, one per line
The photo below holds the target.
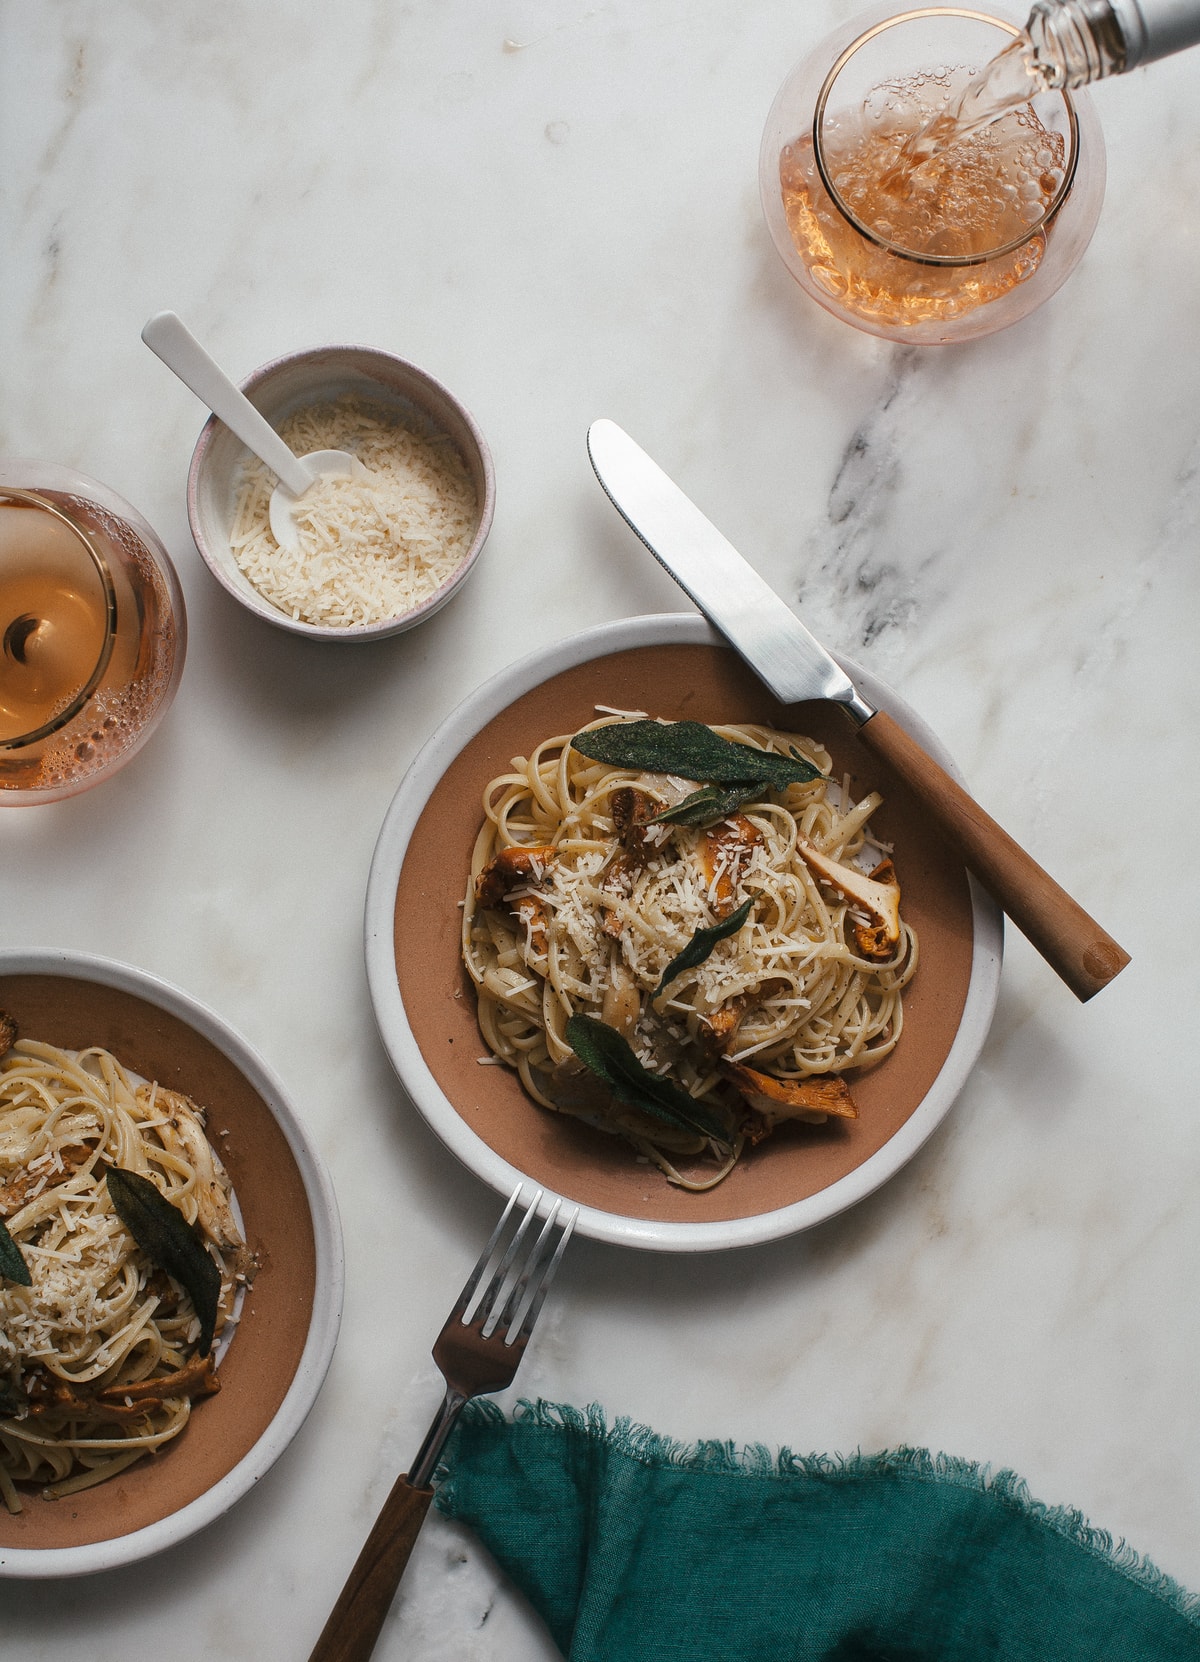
597,917
370,548
95,1314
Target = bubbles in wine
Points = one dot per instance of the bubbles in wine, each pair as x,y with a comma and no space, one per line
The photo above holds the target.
989,189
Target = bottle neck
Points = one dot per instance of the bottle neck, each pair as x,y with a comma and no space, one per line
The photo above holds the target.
1077,41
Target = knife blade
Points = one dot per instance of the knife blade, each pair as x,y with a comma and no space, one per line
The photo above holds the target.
795,666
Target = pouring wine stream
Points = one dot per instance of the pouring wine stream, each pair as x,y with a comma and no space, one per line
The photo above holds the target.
1064,44
167,336
1011,79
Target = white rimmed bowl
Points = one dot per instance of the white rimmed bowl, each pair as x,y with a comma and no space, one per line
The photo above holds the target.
319,376
672,666
279,1355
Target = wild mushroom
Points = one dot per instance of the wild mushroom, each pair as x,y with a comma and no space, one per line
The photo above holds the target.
774,1099
506,871
508,868
877,893
724,1021
724,850
631,810
197,1378
622,999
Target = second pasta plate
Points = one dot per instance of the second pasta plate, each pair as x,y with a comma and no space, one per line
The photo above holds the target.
675,667
285,1335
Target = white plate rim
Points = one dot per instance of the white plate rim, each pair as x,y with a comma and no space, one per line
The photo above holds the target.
33,1563
418,783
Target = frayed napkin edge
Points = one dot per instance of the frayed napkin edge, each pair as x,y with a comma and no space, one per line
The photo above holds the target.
725,1458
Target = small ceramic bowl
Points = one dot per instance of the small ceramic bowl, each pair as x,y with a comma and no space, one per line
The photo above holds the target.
320,376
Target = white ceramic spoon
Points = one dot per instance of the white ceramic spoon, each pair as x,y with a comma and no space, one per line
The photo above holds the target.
179,349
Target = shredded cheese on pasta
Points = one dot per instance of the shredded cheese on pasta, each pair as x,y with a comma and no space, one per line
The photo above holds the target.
99,1315
583,929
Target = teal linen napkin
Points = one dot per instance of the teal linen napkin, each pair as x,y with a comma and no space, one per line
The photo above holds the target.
635,1549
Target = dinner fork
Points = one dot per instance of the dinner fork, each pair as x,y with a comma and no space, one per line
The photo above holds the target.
477,1351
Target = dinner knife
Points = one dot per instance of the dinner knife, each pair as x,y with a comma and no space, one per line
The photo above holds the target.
795,666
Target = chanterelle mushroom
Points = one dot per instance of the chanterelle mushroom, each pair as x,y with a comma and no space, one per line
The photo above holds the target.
878,894
724,850
792,1099
508,870
631,810
724,1021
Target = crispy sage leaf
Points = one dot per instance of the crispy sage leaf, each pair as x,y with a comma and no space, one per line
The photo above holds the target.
12,1265
707,806
690,750
164,1234
602,1049
702,943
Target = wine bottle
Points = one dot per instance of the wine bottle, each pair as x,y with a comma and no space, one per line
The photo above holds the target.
1078,41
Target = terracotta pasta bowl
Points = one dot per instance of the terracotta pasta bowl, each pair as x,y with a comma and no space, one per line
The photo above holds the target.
276,1362
673,666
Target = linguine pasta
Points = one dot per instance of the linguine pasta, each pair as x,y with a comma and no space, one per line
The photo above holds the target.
98,1357
570,912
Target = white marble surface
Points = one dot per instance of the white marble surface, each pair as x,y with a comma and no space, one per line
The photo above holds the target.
554,209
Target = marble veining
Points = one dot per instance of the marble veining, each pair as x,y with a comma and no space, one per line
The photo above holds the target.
847,561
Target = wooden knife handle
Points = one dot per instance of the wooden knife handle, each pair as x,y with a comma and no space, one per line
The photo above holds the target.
1072,943
356,1619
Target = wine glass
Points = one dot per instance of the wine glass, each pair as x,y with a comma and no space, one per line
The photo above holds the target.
92,632
973,240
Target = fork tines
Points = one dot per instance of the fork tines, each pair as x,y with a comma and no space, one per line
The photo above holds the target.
509,1283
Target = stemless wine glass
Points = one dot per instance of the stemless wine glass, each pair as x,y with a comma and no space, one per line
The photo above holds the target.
92,632
973,240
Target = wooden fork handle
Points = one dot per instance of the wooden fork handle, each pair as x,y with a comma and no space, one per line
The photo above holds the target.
356,1619
1072,943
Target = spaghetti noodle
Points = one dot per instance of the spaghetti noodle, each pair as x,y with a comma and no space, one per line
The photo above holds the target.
580,904
98,1355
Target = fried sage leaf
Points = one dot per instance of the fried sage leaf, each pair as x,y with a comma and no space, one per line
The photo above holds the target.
164,1234
12,1265
689,750
702,943
603,1050
707,806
